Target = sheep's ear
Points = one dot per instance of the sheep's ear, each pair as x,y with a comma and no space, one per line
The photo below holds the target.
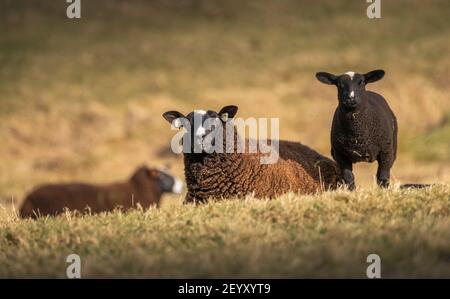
373,76
173,118
326,78
228,112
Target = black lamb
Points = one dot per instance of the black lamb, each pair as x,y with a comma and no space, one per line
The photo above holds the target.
364,127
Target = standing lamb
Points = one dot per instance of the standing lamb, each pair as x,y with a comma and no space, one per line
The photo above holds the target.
145,187
364,127
232,174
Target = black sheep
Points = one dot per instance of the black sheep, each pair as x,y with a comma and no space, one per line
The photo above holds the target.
364,127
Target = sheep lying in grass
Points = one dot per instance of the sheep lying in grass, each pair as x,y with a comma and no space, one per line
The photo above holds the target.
364,127
234,174
145,188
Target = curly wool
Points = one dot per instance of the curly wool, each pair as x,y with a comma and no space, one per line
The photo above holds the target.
299,169
364,135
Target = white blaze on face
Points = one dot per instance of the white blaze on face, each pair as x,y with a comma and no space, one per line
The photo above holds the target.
350,74
198,116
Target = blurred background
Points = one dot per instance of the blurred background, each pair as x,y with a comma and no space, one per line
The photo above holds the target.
81,99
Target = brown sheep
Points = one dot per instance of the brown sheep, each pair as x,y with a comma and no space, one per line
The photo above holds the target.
226,175
144,187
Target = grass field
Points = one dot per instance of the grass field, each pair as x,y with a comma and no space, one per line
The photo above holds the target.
328,235
82,100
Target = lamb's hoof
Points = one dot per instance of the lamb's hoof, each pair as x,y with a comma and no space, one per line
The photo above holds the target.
383,183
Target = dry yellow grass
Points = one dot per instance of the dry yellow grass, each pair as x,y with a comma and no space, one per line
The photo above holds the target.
328,235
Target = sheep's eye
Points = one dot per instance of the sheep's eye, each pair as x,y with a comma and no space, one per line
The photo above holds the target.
361,82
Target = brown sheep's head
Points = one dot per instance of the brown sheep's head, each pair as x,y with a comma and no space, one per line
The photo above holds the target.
156,180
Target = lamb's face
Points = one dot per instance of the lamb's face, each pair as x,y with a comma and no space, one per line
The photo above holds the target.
199,124
351,86
157,179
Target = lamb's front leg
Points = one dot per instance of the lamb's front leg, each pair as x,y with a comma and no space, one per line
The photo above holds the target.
384,170
347,172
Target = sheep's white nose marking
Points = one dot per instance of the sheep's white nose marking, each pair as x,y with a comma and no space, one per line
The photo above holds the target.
177,187
350,74
352,94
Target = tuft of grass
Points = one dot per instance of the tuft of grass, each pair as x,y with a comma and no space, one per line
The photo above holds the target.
326,235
